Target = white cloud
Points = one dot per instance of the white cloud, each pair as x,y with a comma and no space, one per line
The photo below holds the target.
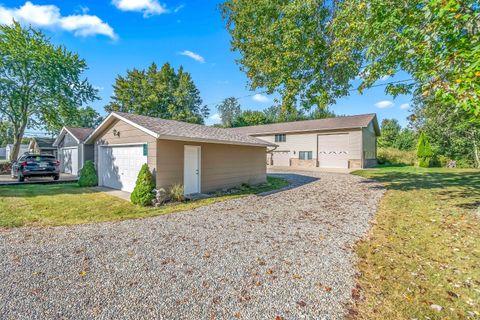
193,55
178,8
260,98
147,7
384,104
215,117
49,16
385,78
404,106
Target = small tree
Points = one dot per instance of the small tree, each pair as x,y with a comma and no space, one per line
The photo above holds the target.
88,175
143,192
424,151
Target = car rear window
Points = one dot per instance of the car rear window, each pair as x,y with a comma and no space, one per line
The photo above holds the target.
40,158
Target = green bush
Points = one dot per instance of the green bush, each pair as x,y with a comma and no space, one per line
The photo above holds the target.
88,175
177,192
424,151
396,157
143,192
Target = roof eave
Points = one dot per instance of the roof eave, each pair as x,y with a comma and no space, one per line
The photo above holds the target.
193,139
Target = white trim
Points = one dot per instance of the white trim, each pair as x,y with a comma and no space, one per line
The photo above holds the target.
200,140
123,144
68,148
113,114
199,148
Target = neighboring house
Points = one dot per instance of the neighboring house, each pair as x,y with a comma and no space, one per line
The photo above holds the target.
72,151
341,142
9,149
42,145
3,153
201,158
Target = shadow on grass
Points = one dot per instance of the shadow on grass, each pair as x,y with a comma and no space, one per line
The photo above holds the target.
35,190
463,184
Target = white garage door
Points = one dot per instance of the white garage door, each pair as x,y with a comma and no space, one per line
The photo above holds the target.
281,158
68,158
333,150
120,166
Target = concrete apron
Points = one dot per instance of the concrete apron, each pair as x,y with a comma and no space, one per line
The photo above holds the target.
124,195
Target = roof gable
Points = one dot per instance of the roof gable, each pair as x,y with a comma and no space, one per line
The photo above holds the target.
344,122
177,130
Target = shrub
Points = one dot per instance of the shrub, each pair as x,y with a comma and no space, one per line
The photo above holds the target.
5,167
176,192
88,175
396,157
143,192
424,151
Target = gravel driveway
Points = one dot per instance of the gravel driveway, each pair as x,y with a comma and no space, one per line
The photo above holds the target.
286,255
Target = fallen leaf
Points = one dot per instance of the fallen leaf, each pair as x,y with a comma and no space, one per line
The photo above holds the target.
301,303
82,273
328,289
269,271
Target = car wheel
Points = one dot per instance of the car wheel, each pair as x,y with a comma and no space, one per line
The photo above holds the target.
56,178
20,178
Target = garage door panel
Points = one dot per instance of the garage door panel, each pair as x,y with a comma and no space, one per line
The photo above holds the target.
333,150
68,158
121,165
281,158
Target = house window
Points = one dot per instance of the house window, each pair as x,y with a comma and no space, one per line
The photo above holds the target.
280,138
305,155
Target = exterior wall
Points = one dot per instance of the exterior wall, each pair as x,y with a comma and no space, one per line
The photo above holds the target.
128,134
369,146
67,141
88,152
308,142
222,166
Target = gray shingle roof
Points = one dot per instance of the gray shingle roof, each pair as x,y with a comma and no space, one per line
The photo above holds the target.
80,133
44,142
345,122
171,129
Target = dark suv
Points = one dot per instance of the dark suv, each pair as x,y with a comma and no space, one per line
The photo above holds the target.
35,165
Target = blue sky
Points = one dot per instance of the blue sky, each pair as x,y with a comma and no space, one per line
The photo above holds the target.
113,36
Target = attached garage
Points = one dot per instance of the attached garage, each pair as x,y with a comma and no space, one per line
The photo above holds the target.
333,150
72,150
201,158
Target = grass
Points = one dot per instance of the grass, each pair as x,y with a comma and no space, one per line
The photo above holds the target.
424,246
67,204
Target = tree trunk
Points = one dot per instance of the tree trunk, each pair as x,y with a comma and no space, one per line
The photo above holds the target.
476,153
17,141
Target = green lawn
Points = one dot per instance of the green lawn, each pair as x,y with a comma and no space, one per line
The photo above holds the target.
65,204
424,246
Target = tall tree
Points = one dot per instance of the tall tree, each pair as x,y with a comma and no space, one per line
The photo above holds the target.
160,93
390,130
250,118
87,118
309,50
39,83
437,42
454,133
229,109
285,47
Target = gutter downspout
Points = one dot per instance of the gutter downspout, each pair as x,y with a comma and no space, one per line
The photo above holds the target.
362,157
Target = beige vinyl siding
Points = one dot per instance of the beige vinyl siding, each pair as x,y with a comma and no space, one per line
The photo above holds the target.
128,135
369,146
308,142
222,166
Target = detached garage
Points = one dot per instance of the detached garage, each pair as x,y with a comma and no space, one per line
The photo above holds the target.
201,158
72,151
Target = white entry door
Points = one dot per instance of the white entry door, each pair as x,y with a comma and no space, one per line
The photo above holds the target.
333,150
191,170
120,166
68,158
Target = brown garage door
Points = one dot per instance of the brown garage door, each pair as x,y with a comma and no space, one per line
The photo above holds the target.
281,158
333,150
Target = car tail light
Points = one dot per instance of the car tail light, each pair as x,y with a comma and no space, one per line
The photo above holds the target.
57,163
24,163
